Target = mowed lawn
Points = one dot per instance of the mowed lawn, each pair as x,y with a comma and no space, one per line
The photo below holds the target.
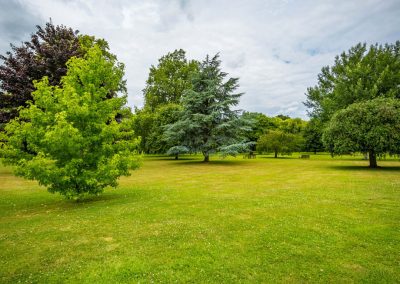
234,220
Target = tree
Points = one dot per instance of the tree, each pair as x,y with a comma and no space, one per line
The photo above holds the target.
176,150
142,125
291,125
261,124
207,122
163,115
168,81
371,127
164,87
313,136
360,74
46,54
69,139
279,142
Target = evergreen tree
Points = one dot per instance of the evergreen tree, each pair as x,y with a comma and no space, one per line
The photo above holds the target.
208,123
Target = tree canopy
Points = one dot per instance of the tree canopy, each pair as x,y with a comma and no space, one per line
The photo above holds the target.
46,54
68,139
360,74
313,136
168,80
369,127
279,142
207,122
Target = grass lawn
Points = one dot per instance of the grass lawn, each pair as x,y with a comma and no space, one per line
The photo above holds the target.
234,220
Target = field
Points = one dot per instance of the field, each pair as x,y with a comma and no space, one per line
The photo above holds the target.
234,220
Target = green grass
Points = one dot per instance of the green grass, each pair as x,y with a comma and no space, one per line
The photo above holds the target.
235,220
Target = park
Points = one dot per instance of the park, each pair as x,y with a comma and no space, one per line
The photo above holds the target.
188,186
233,220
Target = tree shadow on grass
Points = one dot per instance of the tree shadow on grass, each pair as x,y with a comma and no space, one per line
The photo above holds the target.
168,158
198,162
364,168
60,204
281,158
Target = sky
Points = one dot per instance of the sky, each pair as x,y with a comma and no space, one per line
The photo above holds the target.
276,47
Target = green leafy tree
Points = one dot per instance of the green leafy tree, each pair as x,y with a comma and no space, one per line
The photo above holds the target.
369,127
291,125
163,115
360,74
168,81
164,87
261,124
279,142
69,139
142,125
207,122
313,136
46,54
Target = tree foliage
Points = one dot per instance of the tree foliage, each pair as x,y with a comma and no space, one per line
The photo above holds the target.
279,142
313,136
207,122
164,88
168,81
260,125
369,127
68,139
46,54
176,150
360,74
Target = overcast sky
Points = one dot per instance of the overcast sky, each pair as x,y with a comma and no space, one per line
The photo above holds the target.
275,47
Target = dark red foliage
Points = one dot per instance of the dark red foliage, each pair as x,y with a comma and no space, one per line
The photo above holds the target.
45,54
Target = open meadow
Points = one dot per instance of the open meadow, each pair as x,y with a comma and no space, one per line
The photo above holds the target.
232,220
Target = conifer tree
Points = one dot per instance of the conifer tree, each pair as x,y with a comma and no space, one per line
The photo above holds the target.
207,122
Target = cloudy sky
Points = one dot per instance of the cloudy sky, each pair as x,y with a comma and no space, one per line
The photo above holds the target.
275,47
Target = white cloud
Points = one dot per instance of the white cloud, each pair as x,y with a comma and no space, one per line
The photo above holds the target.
277,48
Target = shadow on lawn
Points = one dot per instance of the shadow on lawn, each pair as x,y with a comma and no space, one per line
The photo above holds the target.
198,162
280,158
364,168
166,158
60,204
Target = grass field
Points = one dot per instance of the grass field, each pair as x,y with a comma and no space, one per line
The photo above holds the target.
263,220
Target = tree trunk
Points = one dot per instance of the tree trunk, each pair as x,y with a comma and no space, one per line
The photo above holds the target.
206,157
276,154
372,159
176,156
315,152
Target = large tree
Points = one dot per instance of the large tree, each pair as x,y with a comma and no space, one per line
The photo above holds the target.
164,88
208,123
168,80
358,75
69,139
45,54
371,127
